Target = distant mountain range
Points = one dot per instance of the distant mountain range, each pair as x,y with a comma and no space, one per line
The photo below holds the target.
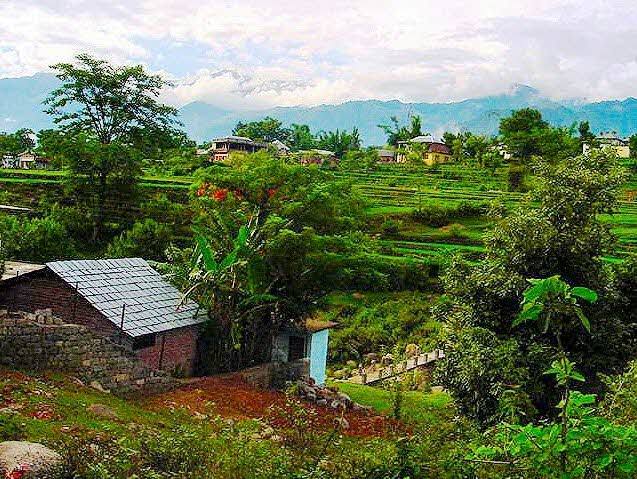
21,107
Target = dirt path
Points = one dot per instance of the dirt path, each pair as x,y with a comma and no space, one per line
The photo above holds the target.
231,397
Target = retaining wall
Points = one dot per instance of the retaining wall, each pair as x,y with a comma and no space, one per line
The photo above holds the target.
40,341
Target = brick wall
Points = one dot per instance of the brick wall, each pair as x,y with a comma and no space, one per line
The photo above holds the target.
174,351
40,341
44,290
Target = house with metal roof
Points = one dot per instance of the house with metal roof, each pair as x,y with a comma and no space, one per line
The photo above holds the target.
433,150
123,299
222,147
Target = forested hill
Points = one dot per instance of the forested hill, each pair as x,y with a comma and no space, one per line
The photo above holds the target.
20,107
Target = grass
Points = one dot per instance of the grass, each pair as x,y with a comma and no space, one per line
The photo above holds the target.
417,407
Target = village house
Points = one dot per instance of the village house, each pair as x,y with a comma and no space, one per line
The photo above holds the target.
386,156
610,140
129,302
25,161
434,151
281,148
222,147
316,157
123,299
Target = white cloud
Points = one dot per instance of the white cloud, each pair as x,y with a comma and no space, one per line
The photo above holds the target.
254,53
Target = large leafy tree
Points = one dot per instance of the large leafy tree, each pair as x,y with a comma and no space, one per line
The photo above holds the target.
267,130
108,101
104,105
396,132
340,142
560,235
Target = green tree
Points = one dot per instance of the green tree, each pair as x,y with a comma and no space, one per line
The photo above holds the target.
339,142
396,132
632,144
301,138
147,239
103,106
265,130
562,236
522,133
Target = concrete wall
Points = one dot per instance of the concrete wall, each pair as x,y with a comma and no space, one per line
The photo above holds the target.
318,356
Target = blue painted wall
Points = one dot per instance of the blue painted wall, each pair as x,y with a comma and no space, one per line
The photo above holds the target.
318,355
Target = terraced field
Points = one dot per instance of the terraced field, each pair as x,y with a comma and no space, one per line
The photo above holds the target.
394,192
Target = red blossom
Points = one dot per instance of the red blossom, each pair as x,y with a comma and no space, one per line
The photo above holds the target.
220,194
272,192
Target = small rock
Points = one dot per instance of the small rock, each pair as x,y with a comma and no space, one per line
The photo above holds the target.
103,411
98,386
321,402
33,460
342,423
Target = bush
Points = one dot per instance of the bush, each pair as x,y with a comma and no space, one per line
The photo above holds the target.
146,239
37,240
390,227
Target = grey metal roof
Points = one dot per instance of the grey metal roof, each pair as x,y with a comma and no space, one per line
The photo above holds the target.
152,304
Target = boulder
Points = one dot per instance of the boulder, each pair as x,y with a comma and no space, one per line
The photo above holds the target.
29,460
387,359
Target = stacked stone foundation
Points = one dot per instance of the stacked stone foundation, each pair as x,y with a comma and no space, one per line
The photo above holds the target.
41,342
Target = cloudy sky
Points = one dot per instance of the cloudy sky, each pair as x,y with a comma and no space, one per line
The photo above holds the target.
255,54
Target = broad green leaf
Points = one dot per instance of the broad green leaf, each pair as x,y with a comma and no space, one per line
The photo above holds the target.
530,313
584,293
585,322
206,253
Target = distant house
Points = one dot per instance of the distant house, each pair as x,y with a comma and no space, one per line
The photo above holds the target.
123,299
316,157
25,161
386,156
434,151
280,147
611,140
307,343
222,147
9,161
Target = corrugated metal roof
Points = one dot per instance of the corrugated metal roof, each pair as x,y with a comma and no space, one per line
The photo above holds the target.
152,304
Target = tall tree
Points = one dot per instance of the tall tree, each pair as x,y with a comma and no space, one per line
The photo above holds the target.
396,132
105,104
560,235
522,133
267,130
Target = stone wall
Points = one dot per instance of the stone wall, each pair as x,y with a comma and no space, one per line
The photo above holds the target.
276,374
41,341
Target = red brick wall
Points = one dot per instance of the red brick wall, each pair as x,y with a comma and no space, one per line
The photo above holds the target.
180,350
44,290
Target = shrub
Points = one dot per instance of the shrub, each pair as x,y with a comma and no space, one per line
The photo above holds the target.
147,239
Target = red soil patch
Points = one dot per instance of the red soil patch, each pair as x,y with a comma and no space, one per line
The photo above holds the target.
230,396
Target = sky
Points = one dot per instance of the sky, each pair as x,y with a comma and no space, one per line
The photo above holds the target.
258,54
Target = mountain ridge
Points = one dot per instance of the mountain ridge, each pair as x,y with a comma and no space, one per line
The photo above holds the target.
21,107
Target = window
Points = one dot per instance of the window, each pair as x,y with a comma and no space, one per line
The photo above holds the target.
145,341
297,348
